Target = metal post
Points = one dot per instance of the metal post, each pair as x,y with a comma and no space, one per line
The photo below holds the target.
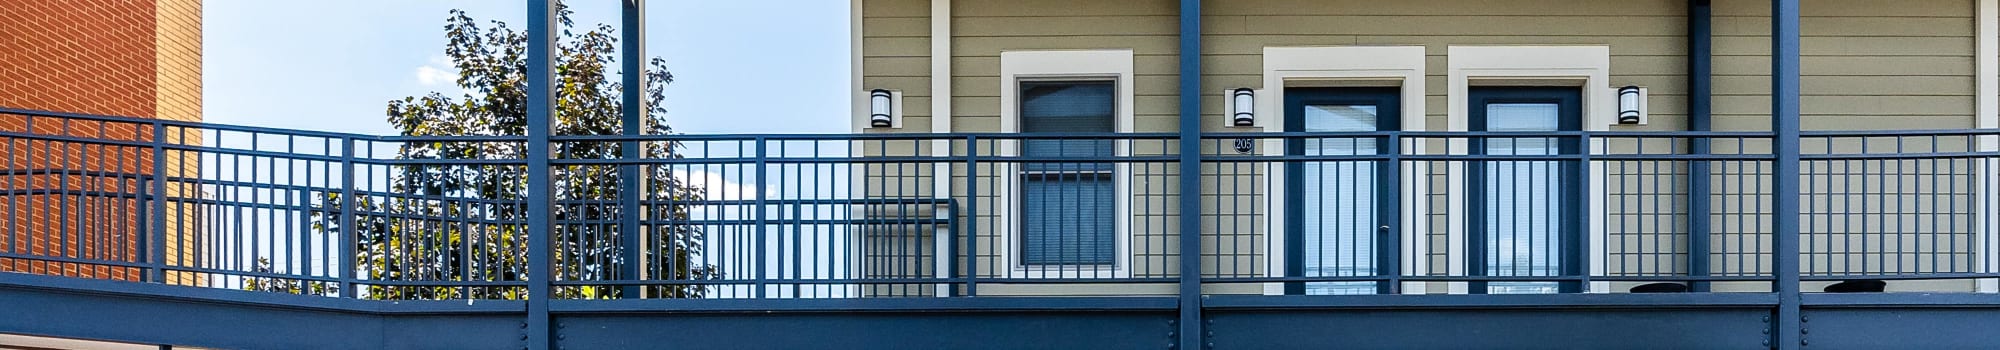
1785,171
1190,173
347,226
762,220
1573,255
972,215
156,250
631,187
1700,92
1390,256
541,113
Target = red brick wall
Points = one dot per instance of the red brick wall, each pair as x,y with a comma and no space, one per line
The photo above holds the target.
84,56
92,57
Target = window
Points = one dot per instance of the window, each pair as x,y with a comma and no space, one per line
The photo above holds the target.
1523,221
1068,215
1069,218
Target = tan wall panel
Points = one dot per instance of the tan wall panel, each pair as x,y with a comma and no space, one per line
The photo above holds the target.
1868,64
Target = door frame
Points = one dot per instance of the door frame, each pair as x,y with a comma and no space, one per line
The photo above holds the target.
1401,67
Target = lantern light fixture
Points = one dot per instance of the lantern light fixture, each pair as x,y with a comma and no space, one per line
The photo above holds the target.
1243,103
881,109
1631,105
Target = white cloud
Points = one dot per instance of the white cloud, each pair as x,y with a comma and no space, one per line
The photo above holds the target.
437,73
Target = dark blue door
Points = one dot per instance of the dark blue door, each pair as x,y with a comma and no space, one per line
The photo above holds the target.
1334,209
1523,213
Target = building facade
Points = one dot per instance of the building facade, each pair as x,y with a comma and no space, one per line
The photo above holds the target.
111,57
1243,174
1344,70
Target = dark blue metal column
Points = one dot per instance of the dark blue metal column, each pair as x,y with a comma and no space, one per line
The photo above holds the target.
1190,192
541,112
1785,171
1700,92
630,186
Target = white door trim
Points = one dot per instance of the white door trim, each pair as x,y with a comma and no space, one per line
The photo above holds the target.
1345,65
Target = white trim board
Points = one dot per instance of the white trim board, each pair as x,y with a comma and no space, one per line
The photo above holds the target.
1401,66
941,123
1988,22
1585,66
858,105
1016,66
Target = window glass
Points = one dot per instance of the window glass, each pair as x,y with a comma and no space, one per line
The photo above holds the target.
1522,203
1338,199
1067,207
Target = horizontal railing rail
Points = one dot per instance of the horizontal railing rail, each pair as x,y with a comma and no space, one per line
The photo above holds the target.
981,214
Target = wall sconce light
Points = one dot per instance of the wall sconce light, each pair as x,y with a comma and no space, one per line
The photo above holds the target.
881,110
1243,103
1631,105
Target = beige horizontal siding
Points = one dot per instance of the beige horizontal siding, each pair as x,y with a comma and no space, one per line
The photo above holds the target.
1867,64
896,55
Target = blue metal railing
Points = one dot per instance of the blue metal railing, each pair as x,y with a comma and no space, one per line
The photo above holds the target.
907,215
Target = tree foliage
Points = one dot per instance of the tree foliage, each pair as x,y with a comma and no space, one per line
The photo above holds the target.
466,222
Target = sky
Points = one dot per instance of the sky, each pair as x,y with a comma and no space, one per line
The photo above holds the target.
332,65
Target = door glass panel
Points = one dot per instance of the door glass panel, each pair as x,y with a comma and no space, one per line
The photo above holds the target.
1522,208
1339,200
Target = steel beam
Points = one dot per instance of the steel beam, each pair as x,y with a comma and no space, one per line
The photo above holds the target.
871,330
1190,173
1485,328
150,313
1700,35
1785,172
542,27
233,319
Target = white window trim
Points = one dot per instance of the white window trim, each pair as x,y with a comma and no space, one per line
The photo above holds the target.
1017,66
1384,66
1586,66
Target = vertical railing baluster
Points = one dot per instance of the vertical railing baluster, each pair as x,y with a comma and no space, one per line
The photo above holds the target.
156,241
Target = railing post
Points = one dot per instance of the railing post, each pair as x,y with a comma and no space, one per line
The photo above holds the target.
1700,90
1390,255
1576,259
1191,330
156,243
972,215
541,114
631,184
1785,172
762,221
347,227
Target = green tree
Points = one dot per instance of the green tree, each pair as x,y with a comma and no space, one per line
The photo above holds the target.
465,222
